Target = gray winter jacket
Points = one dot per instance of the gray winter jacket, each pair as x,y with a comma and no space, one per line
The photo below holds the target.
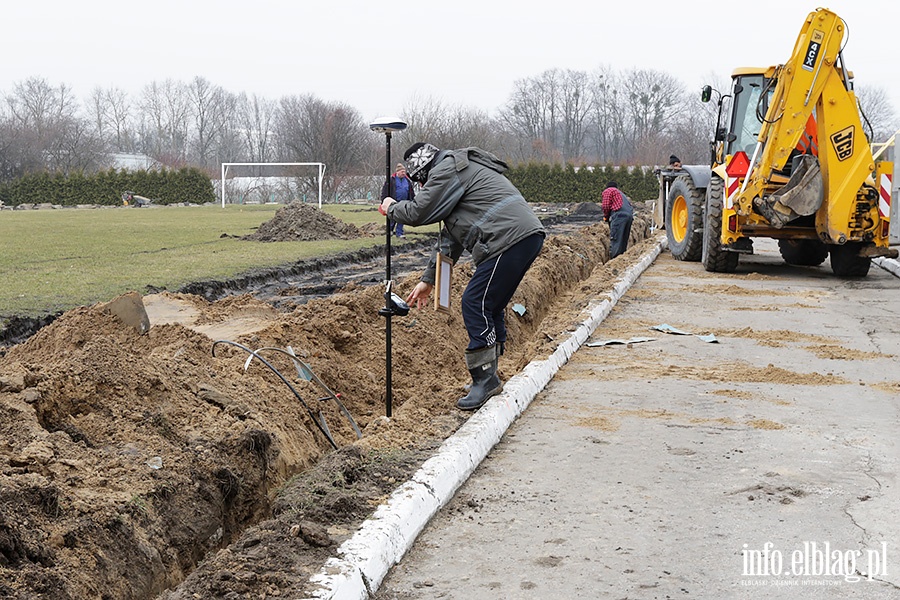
482,211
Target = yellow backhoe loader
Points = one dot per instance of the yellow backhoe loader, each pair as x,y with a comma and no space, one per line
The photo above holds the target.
790,160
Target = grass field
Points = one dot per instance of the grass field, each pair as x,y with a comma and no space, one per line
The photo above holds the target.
52,260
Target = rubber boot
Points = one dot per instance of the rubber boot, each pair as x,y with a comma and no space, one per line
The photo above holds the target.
482,365
499,348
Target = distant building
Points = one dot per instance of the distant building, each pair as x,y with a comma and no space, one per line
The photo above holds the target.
132,162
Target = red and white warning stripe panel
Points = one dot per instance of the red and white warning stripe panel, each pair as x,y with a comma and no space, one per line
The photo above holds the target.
884,202
733,185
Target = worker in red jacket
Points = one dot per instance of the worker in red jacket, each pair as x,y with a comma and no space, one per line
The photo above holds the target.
617,211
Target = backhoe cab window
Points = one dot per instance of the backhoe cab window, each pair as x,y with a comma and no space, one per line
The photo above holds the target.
745,123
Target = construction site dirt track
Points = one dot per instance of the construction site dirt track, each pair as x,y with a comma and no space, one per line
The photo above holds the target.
161,465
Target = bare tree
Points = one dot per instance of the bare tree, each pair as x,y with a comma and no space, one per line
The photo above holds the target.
446,126
689,134
153,121
550,115
577,102
110,111
36,104
51,135
165,107
256,117
229,143
74,147
311,130
608,117
210,106
651,99
16,149
424,116
530,115
630,117
879,116
95,108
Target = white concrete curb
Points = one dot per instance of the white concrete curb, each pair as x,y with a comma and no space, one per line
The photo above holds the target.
385,537
888,264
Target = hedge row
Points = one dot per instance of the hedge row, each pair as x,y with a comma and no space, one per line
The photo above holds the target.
537,182
555,183
106,188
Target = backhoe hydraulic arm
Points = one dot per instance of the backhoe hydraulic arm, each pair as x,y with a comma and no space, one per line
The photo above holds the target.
812,100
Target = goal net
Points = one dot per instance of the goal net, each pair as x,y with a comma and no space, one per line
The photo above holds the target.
262,183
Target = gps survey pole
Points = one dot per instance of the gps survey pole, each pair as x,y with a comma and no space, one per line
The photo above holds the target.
393,305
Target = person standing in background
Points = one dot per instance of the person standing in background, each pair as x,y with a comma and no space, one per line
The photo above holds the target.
400,188
618,213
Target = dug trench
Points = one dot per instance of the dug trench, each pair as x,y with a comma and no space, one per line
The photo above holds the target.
139,465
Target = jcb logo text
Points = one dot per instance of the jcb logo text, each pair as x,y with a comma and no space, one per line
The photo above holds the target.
843,143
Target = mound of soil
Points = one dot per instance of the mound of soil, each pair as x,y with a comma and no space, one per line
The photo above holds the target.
303,222
372,229
587,209
163,465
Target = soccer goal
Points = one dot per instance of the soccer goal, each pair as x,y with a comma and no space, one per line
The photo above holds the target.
267,180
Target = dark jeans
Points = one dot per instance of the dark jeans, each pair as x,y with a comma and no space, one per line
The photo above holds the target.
397,228
619,231
491,288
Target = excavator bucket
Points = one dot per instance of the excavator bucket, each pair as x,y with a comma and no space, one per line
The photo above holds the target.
802,195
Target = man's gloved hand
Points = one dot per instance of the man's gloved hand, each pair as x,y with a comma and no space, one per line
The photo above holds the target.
385,205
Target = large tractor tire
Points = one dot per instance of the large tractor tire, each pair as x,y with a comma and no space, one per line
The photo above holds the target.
846,261
714,257
684,219
804,253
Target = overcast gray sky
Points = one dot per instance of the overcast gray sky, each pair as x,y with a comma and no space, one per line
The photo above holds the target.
378,56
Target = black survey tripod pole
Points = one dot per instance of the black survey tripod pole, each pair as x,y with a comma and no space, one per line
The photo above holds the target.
392,304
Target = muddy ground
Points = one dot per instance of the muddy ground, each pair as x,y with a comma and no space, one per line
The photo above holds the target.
159,464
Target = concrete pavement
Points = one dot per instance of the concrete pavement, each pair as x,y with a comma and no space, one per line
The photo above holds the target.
760,466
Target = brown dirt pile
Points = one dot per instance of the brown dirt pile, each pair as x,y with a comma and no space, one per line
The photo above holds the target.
127,459
303,222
